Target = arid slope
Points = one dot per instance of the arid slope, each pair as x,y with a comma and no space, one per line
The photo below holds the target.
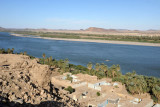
24,81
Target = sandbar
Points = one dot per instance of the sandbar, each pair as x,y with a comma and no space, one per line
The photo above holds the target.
90,40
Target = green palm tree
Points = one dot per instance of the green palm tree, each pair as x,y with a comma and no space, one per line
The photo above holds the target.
113,73
89,66
118,68
102,66
97,67
105,70
8,50
44,56
50,60
3,51
25,53
12,50
66,61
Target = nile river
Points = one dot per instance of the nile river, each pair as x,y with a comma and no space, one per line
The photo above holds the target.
144,60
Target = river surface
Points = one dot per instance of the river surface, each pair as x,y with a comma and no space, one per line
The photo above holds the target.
144,60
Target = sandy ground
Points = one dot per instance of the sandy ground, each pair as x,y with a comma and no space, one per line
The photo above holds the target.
97,41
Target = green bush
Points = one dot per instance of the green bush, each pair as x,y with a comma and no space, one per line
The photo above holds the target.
70,89
155,99
69,78
98,93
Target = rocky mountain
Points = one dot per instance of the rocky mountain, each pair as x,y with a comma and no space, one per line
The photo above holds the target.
95,29
24,82
1,28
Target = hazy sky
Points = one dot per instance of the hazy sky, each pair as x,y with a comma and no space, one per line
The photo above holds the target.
80,14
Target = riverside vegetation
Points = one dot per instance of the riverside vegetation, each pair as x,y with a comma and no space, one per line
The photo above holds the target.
149,39
135,84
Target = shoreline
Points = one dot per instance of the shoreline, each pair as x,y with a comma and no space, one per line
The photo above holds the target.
95,41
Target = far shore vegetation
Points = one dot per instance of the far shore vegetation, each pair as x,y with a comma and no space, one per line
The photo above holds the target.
148,39
134,83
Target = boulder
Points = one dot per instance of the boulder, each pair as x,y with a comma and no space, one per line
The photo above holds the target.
24,64
41,74
20,101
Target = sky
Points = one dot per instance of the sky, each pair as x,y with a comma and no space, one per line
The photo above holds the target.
80,14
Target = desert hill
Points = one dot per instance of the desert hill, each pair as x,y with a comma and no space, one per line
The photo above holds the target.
95,29
25,82
1,28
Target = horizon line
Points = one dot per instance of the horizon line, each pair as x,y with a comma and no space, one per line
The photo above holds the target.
81,28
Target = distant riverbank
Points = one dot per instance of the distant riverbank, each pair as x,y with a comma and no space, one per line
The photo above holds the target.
90,40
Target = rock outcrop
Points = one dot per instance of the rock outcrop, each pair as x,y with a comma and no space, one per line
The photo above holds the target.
25,82
95,29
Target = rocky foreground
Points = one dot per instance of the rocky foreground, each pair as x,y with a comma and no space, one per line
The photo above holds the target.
24,82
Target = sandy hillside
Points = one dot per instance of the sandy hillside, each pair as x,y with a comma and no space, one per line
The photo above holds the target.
24,81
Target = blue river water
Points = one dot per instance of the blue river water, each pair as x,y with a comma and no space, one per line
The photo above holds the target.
144,60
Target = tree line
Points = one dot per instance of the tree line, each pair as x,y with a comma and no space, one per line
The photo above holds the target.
6,51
